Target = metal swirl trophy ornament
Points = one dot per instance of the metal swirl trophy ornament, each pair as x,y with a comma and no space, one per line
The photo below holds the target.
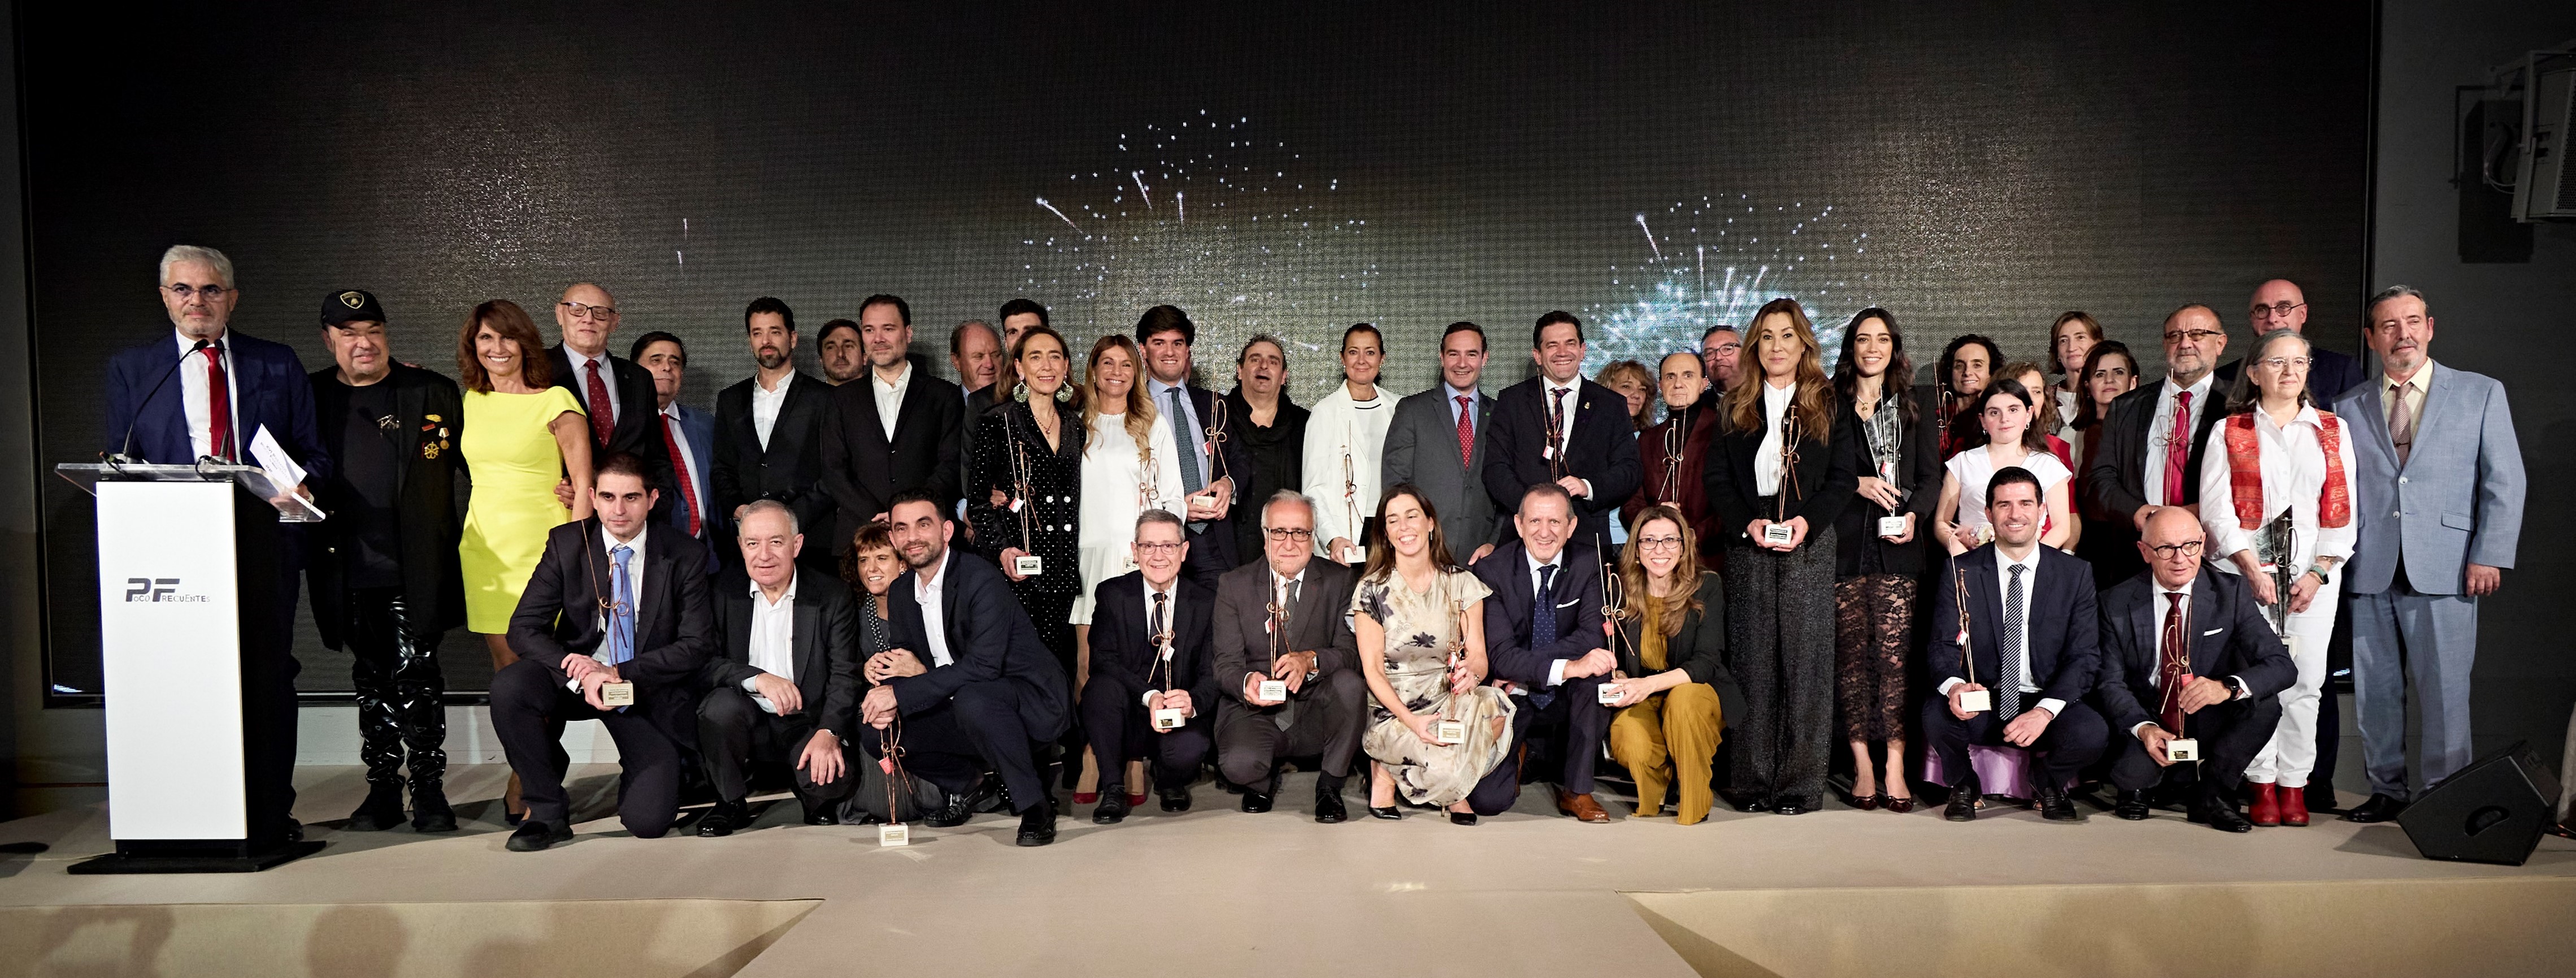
1165,719
1449,729
1777,532
1351,506
1886,445
1215,446
1975,700
1275,690
1147,495
1676,440
2275,548
620,694
2172,675
898,787
1614,606
1027,563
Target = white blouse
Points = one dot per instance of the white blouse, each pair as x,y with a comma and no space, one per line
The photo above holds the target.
1974,468
1767,466
2294,479
1113,494
1341,427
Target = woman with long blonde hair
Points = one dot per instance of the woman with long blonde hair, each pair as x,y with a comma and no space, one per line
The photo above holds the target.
1129,465
1673,679
1778,477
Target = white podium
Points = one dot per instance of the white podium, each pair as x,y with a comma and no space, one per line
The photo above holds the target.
196,682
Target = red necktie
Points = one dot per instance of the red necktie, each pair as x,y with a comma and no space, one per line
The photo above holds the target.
603,412
679,467
2177,449
1466,431
2173,663
219,406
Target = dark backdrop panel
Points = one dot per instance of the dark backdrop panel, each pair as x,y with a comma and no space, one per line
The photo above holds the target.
1655,168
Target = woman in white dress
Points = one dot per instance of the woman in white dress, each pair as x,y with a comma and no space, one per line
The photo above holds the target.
2276,454
1419,619
2011,440
1129,465
1345,441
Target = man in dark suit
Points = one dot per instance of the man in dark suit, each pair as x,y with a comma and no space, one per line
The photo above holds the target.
585,317
899,429
2154,437
1558,427
975,350
1213,463
769,434
2187,653
967,679
2033,643
210,392
1150,631
1544,641
786,678
1315,655
2279,304
1437,442
384,578
611,602
688,439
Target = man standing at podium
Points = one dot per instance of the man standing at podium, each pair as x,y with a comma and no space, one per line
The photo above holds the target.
385,579
209,392
614,611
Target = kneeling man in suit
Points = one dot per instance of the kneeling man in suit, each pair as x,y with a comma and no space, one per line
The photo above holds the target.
1150,632
787,677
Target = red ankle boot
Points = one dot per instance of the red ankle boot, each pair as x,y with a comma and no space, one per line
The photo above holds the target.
2294,807
2267,806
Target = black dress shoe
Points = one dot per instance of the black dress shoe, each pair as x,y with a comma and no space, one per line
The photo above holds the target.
536,834
1174,799
2054,805
1389,813
1789,805
1037,825
2380,808
1329,809
822,816
1113,806
2132,806
963,805
1462,818
382,810
1256,801
1746,802
1963,800
2221,816
294,831
724,818
429,811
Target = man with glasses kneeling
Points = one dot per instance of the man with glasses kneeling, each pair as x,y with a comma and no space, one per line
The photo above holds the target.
1151,693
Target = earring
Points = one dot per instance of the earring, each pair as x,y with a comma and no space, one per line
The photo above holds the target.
1064,394
1020,392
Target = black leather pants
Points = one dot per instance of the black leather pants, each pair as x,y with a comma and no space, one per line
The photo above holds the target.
401,696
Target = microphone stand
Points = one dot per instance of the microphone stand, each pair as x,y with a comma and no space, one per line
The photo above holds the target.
126,454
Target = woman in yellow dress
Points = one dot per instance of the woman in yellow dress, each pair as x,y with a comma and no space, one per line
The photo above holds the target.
522,435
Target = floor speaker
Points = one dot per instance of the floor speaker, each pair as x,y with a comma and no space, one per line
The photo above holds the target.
2492,811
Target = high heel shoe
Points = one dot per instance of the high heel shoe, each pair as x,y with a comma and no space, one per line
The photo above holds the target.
1895,804
1462,818
1389,813
1865,802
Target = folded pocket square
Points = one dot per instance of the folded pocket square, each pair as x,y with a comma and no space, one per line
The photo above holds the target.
2211,632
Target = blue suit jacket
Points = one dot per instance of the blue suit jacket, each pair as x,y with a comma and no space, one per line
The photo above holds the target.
2457,500
270,389
699,428
2061,613
1510,650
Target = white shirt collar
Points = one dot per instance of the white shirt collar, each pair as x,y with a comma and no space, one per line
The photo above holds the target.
578,359
2199,391
608,541
2004,560
783,382
1534,563
671,410
783,599
224,342
902,377
1173,588
927,585
2161,589
1160,391
2423,379
1296,578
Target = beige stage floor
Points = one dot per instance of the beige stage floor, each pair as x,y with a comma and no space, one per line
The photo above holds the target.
1209,892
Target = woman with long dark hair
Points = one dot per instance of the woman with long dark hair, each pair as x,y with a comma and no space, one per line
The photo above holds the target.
1419,619
1673,686
1967,366
2009,439
1897,450
2109,371
2070,342
1779,476
1024,486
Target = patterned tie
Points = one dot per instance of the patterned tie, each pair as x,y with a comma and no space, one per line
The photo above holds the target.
2177,450
2401,422
2173,662
1191,481
1556,422
680,467
1466,431
1543,626
219,406
621,613
2008,671
603,412
1154,636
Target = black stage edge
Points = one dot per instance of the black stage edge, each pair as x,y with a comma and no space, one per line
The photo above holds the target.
192,860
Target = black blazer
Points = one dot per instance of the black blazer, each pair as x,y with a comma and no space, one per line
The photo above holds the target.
2230,637
1918,466
1320,622
1122,643
1213,552
1603,452
826,639
1054,506
675,631
1511,651
790,470
429,421
2065,635
1824,478
639,427
989,640
1698,650
2119,475
861,469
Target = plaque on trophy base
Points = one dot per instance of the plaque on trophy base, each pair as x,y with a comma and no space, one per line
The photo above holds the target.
2182,749
1272,690
1449,731
1029,565
617,694
1168,719
1609,694
1976,701
897,834
1891,526
1777,535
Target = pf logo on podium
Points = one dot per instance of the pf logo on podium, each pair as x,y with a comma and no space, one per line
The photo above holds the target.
156,589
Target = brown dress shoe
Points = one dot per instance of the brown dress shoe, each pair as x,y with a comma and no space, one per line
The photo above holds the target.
1581,806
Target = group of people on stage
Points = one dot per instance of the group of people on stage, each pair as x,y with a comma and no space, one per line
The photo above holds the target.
1080,568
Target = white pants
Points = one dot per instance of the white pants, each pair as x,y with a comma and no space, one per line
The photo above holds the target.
2293,750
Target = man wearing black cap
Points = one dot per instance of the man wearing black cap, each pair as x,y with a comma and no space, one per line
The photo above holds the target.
384,577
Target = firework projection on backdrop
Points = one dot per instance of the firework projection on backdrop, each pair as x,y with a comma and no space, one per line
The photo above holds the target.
1716,261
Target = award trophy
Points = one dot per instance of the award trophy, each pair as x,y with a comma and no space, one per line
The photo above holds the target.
1276,690
1892,525
1351,509
1676,441
1973,701
1614,607
2276,550
1166,719
1449,729
1215,445
617,694
1777,533
1027,563
2182,749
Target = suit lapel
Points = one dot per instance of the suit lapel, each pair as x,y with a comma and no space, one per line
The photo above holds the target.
738,625
808,625
2143,633
2206,649
2436,395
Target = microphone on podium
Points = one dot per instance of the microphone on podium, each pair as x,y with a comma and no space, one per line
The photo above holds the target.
127,453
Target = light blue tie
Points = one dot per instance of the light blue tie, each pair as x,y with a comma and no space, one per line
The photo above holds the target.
1191,481
621,614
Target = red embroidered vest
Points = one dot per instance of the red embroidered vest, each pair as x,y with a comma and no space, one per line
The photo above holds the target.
2245,471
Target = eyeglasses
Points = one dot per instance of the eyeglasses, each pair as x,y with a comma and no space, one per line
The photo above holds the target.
1651,544
2284,363
2172,550
578,311
1158,548
1278,535
2276,310
211,293
2192,335
1726,348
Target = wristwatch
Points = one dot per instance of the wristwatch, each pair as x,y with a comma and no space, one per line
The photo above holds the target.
2324,575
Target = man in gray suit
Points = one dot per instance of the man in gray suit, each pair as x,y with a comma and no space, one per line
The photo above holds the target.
2439,493
1436,442
1314,655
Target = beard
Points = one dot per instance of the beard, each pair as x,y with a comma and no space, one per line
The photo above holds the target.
770,358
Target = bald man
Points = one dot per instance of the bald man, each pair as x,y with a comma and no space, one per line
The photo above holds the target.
2278,304
616,393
